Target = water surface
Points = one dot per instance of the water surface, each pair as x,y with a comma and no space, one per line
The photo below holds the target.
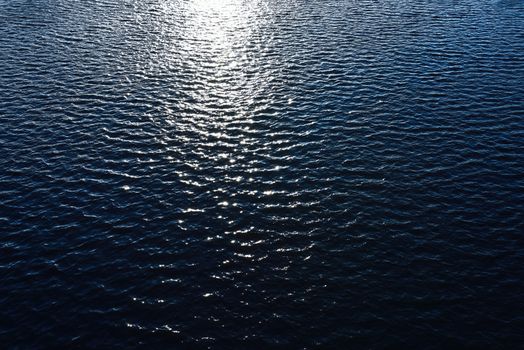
261,174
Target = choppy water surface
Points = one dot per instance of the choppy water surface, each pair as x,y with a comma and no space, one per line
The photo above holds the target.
261,174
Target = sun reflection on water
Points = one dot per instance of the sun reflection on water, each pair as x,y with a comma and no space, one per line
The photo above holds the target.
216,49
221,33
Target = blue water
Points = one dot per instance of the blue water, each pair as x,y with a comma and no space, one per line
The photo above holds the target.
266,174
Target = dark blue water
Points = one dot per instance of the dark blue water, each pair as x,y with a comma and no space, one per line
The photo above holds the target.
267,174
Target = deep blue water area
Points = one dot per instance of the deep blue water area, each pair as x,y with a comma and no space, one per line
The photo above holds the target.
265,174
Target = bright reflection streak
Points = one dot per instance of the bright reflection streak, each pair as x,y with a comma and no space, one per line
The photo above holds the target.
216,5
215,48
220,33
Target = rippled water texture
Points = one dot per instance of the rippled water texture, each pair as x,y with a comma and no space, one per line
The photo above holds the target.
261,174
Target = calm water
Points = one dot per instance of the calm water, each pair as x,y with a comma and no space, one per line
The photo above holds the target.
262,174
